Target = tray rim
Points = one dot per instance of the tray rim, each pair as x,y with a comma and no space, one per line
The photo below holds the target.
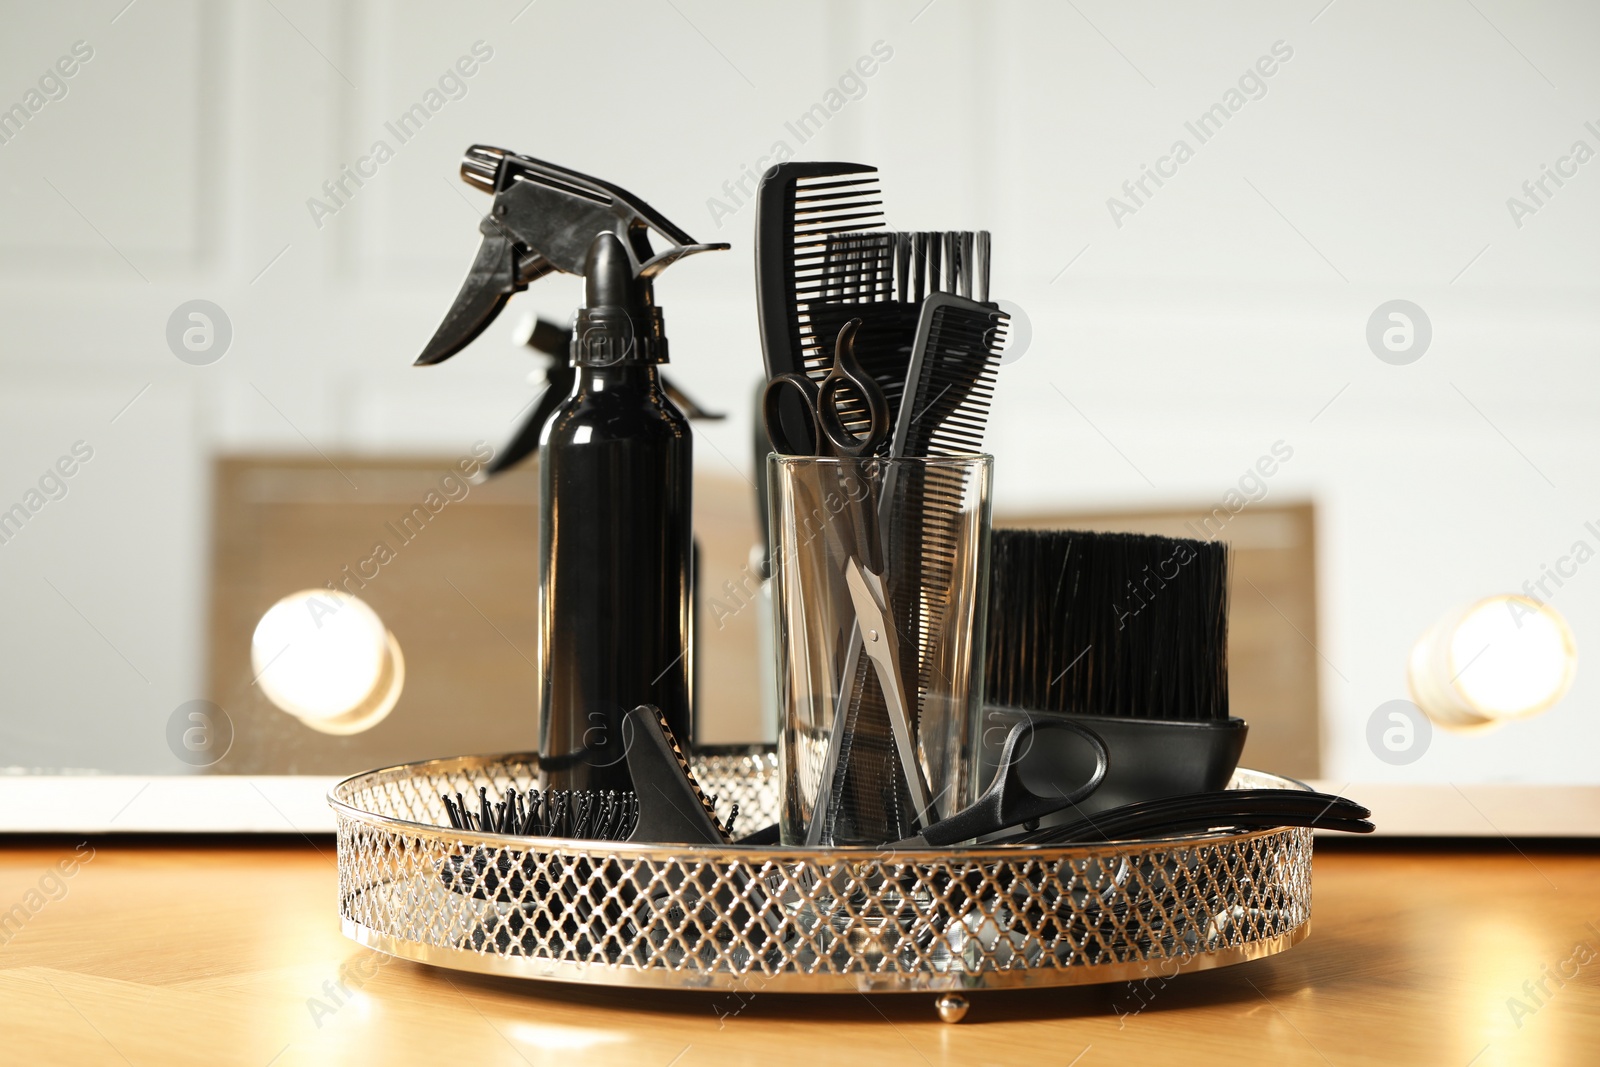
621,976
752,853
352,819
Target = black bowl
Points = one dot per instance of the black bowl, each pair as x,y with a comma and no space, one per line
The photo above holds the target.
1147,758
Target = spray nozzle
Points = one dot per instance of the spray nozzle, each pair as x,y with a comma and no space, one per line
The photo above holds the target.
554,342
548,218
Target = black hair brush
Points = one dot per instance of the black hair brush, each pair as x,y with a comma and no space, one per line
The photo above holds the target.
588,814
1127,633
667,806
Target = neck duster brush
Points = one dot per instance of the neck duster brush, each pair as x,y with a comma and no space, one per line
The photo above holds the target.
1124,633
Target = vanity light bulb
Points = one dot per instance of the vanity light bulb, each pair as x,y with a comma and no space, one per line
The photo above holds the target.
1506,657
327,659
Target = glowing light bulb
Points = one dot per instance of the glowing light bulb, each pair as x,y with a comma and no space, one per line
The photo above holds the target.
326,658
1506,657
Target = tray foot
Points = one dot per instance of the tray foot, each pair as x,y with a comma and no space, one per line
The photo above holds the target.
952,1007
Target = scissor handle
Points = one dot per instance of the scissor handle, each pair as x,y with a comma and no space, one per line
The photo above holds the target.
1009,800
848,376
780,429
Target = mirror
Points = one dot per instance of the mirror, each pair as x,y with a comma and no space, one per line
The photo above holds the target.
1276,278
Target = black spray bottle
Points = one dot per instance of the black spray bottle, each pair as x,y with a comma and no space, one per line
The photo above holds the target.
615,539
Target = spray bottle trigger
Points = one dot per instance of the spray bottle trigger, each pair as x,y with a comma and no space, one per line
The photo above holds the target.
489,284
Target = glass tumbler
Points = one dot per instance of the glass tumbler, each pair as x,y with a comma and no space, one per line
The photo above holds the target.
880,588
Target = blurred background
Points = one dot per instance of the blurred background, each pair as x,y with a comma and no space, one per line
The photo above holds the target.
1315,278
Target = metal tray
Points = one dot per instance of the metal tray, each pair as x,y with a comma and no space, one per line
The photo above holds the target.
798,920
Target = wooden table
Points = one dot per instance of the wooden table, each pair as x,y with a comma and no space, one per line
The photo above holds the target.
163,952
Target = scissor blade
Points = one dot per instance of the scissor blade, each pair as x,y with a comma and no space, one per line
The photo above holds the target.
879,641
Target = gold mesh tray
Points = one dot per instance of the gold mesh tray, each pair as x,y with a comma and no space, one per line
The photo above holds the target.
786,919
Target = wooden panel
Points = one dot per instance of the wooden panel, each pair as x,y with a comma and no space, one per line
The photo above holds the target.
727,686
460,598
1272,624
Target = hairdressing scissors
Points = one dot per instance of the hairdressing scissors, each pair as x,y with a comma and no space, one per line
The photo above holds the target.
847,391
826,405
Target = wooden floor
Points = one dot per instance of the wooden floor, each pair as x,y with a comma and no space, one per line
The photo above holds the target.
156,954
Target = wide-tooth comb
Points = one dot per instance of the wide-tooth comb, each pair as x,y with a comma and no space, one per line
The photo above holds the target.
812,221
800,209
950,261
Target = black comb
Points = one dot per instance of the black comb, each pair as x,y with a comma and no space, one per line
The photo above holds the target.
801,210
948,387
886,279
860,273
950,381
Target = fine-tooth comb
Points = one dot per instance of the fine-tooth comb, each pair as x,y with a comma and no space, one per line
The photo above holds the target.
950,385
950,382
948,388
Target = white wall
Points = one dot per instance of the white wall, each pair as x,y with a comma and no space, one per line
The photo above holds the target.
1218,318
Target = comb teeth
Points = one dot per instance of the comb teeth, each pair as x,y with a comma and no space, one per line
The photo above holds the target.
708,803
868,275
952,377
825,263
926,505
858,283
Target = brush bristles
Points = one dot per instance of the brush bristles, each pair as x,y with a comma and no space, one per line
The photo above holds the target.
1128,625
592,815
